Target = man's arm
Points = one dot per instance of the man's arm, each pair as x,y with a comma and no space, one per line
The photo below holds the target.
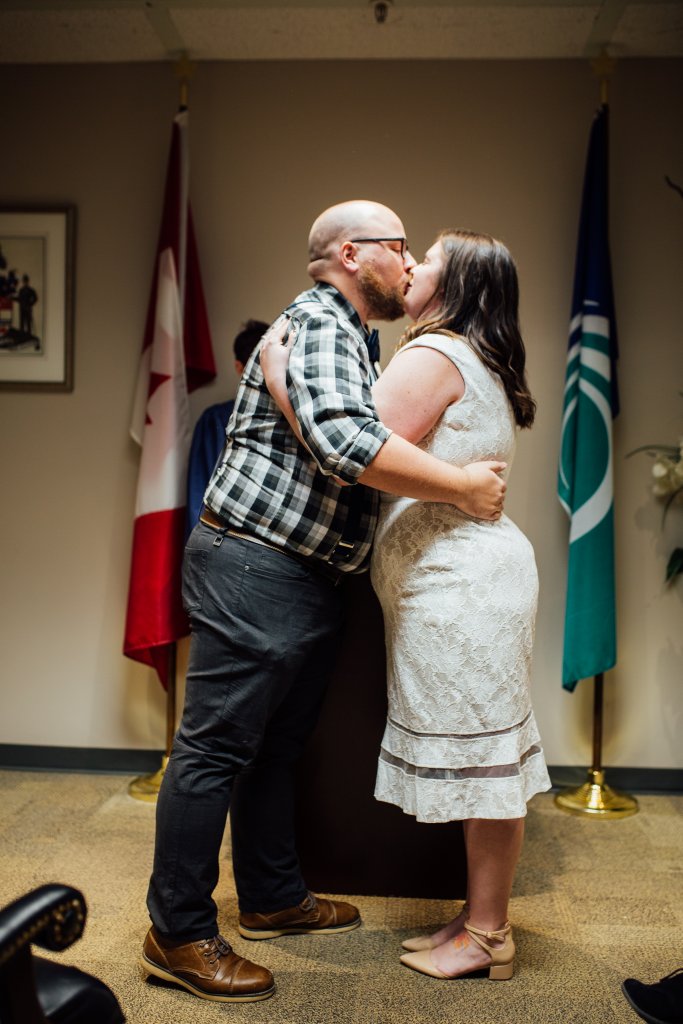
395,465
328,385
401,468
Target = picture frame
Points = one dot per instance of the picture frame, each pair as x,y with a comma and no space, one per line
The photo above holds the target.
37,297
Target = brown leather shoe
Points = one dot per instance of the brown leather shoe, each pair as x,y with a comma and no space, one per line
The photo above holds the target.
208,969
313,915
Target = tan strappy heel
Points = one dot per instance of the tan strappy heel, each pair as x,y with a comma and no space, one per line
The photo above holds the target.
502,957
420,942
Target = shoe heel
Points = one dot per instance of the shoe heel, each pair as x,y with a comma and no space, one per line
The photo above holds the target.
501,972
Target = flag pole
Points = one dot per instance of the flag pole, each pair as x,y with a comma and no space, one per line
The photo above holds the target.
171,693
183,70
595,798
146,787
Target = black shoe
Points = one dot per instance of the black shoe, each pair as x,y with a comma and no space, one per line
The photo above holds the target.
661,1003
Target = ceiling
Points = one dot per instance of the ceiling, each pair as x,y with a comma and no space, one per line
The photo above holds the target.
73,31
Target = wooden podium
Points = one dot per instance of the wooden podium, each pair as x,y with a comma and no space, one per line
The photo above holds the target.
349,842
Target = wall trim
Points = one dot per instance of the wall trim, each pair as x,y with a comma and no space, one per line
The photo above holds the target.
24,757
629,780
109,760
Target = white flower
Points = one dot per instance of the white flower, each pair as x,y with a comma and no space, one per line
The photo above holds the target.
668,474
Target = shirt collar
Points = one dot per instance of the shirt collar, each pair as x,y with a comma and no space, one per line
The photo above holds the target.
332,296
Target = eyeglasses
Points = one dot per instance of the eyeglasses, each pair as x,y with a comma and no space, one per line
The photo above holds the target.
404,244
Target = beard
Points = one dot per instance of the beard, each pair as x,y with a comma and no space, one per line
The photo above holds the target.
384,302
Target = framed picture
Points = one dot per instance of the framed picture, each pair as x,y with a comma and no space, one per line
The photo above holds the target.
36,297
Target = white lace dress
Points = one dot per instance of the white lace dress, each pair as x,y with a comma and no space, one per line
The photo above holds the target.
459,601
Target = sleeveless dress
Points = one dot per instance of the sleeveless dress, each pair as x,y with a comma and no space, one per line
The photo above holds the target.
459,600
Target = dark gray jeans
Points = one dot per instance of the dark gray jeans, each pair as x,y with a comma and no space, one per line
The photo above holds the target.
262,647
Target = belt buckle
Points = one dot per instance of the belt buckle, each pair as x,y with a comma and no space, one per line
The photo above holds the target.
209,518
342,551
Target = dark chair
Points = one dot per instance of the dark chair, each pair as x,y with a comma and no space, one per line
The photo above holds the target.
34,990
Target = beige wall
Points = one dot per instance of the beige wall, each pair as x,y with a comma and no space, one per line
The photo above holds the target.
497,146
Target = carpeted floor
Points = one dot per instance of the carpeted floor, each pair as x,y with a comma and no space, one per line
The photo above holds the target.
594,902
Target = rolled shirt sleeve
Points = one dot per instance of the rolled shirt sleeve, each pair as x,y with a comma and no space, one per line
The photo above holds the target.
265,484
329,387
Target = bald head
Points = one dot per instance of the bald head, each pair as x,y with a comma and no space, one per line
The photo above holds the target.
354,219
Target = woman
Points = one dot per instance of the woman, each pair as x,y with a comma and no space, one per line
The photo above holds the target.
459,597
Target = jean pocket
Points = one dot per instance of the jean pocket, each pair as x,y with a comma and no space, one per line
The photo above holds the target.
194,577
275,566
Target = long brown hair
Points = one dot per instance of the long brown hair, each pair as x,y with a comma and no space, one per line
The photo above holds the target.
479,300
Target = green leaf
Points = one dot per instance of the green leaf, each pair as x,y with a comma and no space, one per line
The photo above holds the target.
675,566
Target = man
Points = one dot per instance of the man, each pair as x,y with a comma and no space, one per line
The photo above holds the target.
277,533
27,297
209,433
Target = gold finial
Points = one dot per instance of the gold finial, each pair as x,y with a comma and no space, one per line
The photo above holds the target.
184,70
603,68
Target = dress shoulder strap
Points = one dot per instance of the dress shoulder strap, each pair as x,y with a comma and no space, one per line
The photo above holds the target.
453,346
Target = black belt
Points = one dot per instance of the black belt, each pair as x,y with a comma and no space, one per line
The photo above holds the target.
209,518
348,542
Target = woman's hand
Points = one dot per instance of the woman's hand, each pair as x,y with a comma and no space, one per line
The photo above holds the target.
274,357
487,488
275,346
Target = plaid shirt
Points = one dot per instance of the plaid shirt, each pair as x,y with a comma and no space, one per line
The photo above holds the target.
266,483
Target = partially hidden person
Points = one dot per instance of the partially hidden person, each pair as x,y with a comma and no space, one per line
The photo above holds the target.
208,437
660,1002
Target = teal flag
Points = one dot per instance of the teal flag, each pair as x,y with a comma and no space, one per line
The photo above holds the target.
591,401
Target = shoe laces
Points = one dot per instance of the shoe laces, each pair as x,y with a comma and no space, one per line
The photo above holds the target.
213,949
309,902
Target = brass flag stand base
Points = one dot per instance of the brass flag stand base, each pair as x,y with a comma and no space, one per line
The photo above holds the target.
146,787
595,799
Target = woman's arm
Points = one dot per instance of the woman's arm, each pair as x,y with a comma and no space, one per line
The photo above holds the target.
274,358
415,389
411,395
417,393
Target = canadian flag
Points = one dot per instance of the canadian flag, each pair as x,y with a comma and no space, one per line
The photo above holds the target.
177,356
